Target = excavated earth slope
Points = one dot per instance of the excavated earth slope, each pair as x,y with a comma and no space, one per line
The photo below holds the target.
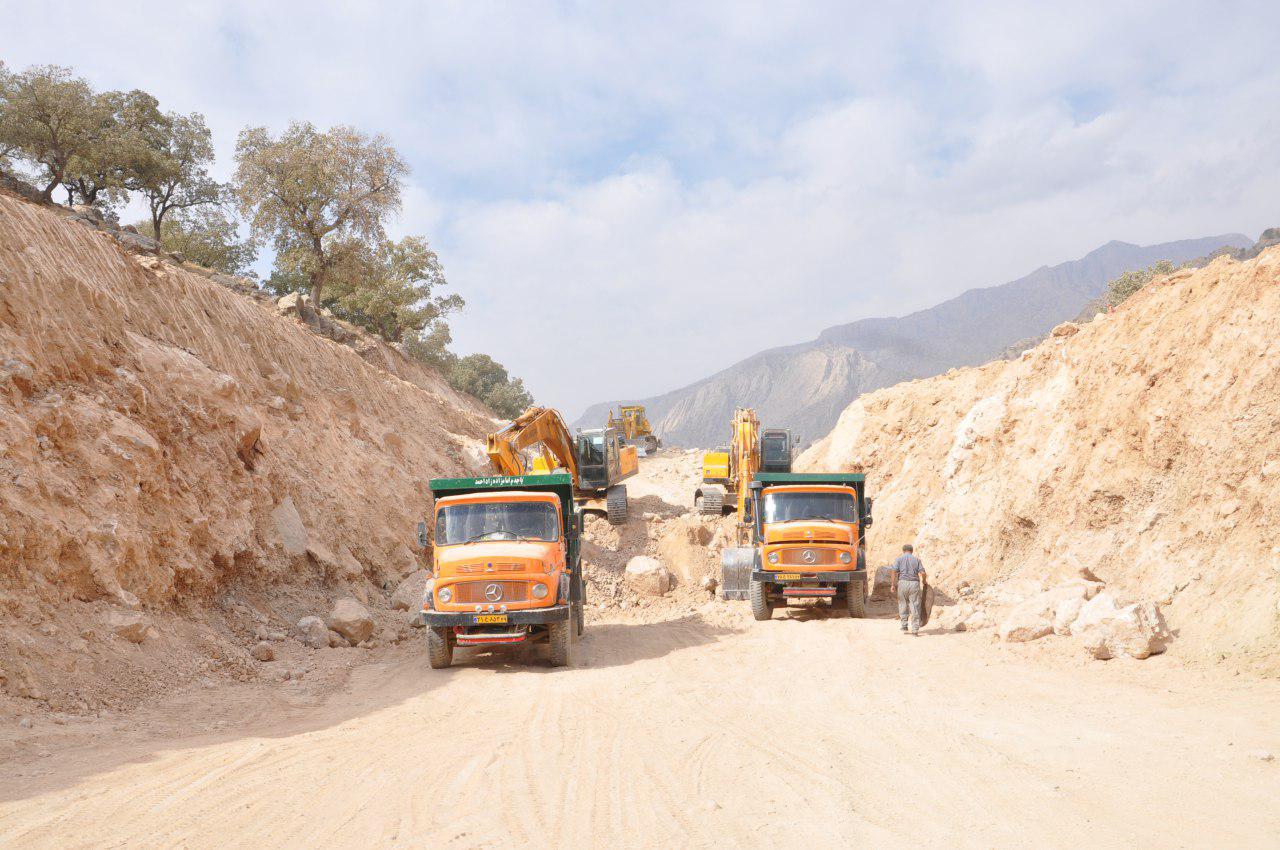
177,453
1144,445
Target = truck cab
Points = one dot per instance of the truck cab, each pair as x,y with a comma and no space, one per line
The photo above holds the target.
507,565
808,541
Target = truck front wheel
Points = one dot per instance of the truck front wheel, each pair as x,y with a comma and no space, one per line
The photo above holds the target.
439,648
560,639
761,607
856,598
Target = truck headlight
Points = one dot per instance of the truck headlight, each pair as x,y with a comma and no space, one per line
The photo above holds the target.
773,557
539,591
846,558
445,594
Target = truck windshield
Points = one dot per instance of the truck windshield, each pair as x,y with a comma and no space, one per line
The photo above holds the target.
786,507
469,523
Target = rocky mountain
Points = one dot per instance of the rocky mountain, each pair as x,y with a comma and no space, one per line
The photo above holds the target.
804,387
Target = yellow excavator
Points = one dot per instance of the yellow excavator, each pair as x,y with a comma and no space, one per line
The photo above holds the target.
596,458
728,470
634,429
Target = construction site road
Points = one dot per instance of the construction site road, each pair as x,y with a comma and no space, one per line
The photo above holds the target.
810,729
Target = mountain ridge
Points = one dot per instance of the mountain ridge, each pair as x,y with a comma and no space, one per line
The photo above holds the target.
805,385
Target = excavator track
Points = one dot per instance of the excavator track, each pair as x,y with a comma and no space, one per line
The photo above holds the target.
616,504
711,501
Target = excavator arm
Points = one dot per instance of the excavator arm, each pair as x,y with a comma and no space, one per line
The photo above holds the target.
538,426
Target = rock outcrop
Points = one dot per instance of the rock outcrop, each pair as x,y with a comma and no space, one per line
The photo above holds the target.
1140,448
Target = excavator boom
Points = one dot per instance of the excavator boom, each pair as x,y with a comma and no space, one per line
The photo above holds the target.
538,426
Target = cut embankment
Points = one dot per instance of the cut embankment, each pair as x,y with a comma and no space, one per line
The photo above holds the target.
183,467
1143,446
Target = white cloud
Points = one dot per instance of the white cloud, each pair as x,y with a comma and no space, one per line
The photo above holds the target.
630,197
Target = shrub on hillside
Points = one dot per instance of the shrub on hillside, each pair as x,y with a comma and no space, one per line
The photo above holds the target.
1130,282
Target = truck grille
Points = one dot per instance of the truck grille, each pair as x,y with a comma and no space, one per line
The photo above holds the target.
795,557
491,568
474,591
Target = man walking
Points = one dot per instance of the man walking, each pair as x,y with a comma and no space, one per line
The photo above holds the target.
908,576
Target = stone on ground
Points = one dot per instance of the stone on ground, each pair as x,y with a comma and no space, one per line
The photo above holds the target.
1136,631
130,625
313,632
647,576
263,651
351,620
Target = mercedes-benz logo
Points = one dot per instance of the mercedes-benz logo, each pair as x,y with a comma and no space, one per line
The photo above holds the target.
493,592
808,557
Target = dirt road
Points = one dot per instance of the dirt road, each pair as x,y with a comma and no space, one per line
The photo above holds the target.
804,730
683,723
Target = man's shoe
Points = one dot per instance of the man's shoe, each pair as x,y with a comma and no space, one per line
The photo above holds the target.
903,629
915,634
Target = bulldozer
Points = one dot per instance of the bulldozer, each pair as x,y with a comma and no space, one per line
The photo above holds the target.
596,459
634,429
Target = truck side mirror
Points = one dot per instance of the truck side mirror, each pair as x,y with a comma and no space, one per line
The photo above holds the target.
423,542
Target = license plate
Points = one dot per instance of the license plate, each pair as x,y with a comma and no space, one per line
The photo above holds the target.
490,618
787,576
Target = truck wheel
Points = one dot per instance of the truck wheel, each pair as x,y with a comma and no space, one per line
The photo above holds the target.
650,444
615,504
856,598
439,648
761,607
560,641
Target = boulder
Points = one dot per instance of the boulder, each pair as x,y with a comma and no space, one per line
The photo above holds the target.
351,620
137,243
1034,618
881,583
1024,624
1096,610
1066,329
129,625
263,651
408,595
1066,613
336,640
313,632
647,576
1137,630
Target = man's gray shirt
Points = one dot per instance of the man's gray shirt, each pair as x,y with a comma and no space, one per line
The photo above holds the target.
908,567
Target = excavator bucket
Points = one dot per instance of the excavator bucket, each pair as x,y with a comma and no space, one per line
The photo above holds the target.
736,564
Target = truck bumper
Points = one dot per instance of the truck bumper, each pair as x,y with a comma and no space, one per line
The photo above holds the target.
786,577
524,617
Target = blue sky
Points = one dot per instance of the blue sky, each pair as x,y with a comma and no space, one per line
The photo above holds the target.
631,196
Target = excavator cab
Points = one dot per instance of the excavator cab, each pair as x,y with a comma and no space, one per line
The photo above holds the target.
775,450
599,457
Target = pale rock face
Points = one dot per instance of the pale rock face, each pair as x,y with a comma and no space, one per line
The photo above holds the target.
351,620
647,576
1066,613
131,626
408,595
1136,631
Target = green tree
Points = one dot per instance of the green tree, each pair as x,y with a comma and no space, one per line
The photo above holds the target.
486,379
431,346
102,171
391,290
171,170
317,196
52,121
1130,282
209,237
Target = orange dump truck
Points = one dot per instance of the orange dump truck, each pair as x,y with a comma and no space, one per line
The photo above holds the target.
508,565
808,541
